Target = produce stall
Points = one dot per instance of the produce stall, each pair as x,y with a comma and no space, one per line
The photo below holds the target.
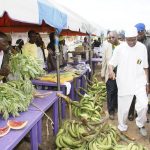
34,119
77,81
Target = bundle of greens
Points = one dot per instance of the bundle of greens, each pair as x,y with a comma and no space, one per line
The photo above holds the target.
25,67
15,97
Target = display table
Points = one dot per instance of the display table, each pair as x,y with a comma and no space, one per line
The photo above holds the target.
84,54
81,81
94,62
75,84
62,88
34,118
83,61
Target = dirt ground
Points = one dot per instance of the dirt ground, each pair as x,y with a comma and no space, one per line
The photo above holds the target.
48,141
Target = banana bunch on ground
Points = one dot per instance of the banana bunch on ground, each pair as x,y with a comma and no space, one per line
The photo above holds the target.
130,146
97,89
136,146
70,135
87,109
96,85
106,139
84,108
92,103
77,135
97,144
91,107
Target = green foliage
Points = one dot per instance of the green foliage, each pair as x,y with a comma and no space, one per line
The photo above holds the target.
15,97
25,67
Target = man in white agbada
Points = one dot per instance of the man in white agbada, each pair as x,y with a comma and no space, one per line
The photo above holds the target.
130,58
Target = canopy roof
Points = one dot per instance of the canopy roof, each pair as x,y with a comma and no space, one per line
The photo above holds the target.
42,16
75,22
33,12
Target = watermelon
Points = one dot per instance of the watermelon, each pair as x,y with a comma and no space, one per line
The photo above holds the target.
13,124
4,131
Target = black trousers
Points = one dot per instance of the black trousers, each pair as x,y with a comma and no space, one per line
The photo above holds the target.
112,96
132,107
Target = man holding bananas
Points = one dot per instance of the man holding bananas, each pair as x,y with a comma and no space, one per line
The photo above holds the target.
131,60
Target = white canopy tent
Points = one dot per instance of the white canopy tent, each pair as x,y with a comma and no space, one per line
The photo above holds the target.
33,12
23,13
75,22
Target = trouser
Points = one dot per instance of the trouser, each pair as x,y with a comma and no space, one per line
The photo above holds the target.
112,97
132,107
124,103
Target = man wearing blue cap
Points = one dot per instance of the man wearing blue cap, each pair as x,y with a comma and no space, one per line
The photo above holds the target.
146,41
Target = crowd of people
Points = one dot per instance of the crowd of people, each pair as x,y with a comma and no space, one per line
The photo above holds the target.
125,68
34,47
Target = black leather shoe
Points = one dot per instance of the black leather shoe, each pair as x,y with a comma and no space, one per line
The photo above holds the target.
111,116
131,117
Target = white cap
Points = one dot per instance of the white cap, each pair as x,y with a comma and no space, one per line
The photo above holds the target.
131,32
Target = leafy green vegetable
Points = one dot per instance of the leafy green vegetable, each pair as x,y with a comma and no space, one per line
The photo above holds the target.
25,67
15,97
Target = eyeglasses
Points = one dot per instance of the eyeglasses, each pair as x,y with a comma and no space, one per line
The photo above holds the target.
112,37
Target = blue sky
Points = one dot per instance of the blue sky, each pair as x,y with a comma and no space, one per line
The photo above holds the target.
112,14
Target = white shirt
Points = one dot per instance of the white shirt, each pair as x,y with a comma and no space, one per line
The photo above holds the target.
1,58
131,62
65,49
40,56
106,56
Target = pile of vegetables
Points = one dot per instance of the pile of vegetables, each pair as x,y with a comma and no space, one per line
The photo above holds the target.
103,136
25,67
15,97
90,131
90,105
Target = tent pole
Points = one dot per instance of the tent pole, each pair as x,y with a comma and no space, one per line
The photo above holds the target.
90,57
58,73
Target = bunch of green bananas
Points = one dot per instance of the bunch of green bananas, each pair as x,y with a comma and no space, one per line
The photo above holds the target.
136,146
106,139
70,135
92,103
88,107
76,135
96,144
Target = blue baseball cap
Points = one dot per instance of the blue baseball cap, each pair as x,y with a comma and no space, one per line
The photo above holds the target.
140,27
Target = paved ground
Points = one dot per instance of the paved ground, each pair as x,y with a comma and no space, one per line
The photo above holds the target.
48,140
